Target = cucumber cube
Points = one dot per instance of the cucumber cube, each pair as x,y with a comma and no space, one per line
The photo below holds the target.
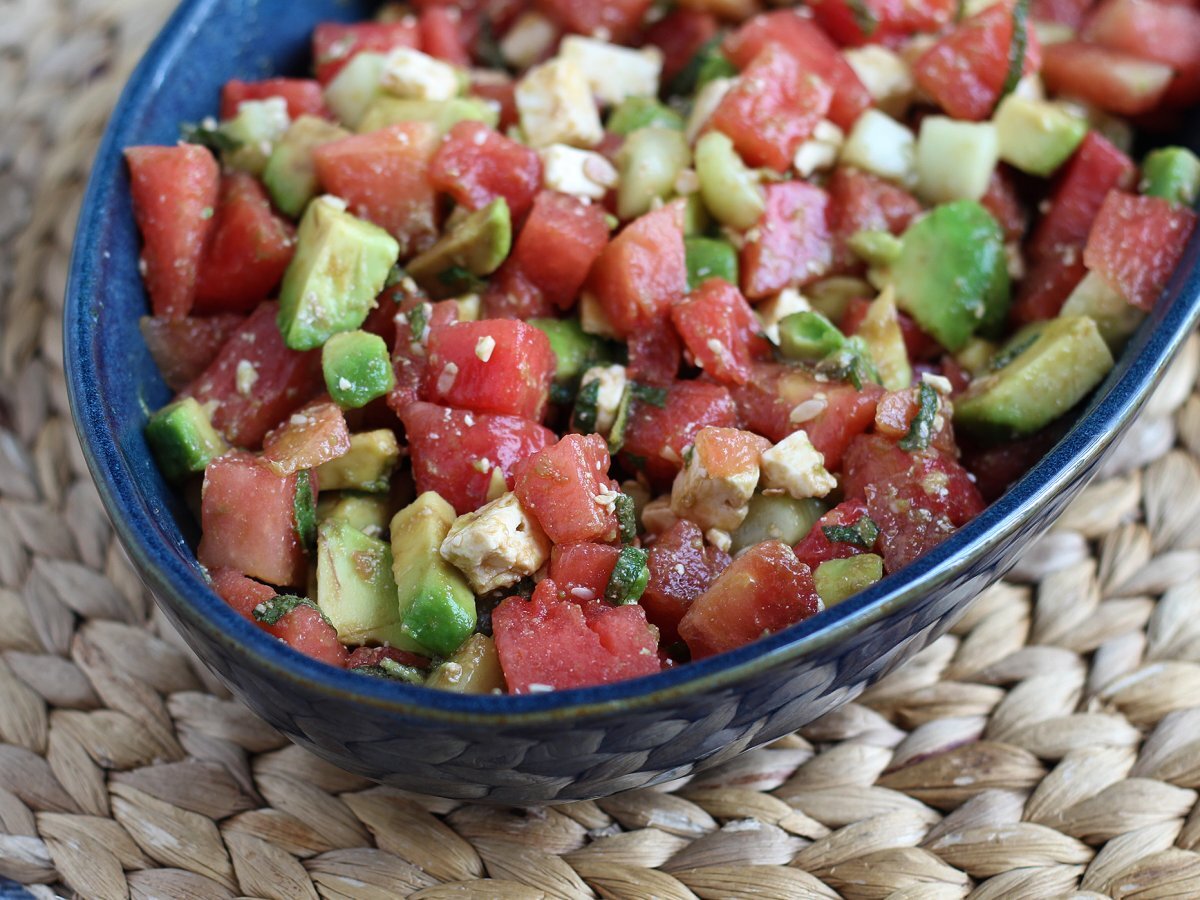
955,160
709,258
880,145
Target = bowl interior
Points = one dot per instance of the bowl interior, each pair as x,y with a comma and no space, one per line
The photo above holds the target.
113,386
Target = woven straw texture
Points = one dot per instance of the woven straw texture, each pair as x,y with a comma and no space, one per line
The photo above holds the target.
1048,747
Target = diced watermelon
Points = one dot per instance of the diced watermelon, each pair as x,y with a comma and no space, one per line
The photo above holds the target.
547,642
1161,32
1046,287
302,95
997,466
441,36
655,353
409,355
815,51
766,403
1066,12
476,164
302,627
248,517
966,70
791,244
720,331
499,88
563,485
816,547
656,437
772,109
763,591
454,452
1094,169
1003,202
1114,81
614,20
255,381
335,44
311,436
174,195
578,232
681,569
511,295
860,201
384,177
1136,243
894,415
581,572
493,366
183,348
374,656
680,35
248,252
642,271
881,21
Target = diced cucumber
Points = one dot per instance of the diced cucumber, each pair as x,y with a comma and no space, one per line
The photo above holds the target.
354,87
955,159
183,439
435,603
634,113
1066,359
649,162
730,190
1172,173
1114,316
709,258
776,518
366,467
255,129
290,175
357,368
882,146
840,579
1036,136
474,668
444,114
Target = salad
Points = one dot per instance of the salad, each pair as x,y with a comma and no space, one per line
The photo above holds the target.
537,345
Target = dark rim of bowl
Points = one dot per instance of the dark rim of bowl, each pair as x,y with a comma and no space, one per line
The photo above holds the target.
1109,411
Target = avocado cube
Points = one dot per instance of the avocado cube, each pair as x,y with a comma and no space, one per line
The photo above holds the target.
366,467
575,351
880,330
1172,173
473,669
254,130
709,258
357,367
808,336
477,245
1037,136
1048,371
436,604
444,114
183,439
369,513
642,112
952,274
291,175
955,159
340,266
355,588
839,579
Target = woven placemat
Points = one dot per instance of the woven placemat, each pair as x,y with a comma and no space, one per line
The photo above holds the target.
1048,747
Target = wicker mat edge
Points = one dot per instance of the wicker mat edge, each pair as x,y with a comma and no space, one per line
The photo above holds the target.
1048,747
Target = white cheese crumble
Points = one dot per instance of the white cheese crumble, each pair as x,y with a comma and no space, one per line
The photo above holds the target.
446,379
821,151
411,74
794,465
712,501
581,173
882,146
885,75
555,106
614,73
528,40
612,380
496,545
245,377
705,104
484,347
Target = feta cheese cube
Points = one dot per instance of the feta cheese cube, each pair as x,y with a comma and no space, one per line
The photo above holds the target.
886,75
496,545
882,146
556,107
820,151
794,465
705,104
581,173
412,74
528,40
612,382
718,479
613,72
771,312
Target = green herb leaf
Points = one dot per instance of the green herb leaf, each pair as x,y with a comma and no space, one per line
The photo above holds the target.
629,577
395,275
861,534
393,671
271,611
461,279
649,393
208,135
864,17
305,510
1002,359
487,47
688,80
418,321
1017,47
626,518
920,430
583,419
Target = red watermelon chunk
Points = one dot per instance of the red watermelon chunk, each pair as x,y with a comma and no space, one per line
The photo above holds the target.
302,95
577,231
816,547
174,196
680,35
454,452
335,43
1114,81
476,164
563,486
720,331
441,35
581,573
860,201
681,569
654,353
763,591
183,348
656,437
791,244
612,20
410,335
547,642
374,656
248,516
891,21
310,437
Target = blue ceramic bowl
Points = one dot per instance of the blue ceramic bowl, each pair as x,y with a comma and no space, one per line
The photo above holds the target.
519,750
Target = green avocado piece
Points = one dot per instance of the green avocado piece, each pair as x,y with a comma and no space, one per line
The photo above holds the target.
649,163
876,248
357,368
340,266
369,513
366,467
776,517
575,351
444,114
642,112
478,245
1115,317
183,439
436,604
290,175
473,669
355,587
880,331
1037,136
1172,173
952,274
808,336
255,129
1045,372
840,579
709,258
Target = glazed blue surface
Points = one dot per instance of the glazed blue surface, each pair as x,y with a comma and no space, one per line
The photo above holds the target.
549,747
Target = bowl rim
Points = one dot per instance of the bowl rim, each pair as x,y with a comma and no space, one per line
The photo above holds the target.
179,585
